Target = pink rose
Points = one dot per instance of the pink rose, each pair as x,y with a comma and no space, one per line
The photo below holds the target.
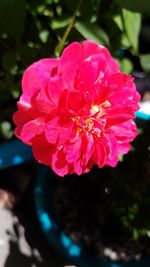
77,111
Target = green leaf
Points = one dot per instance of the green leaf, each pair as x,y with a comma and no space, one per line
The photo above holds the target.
126,65
92,32
6,129
12,17
124,41
132,25
118,20
15,90
59,23
43,35
145,62
135,5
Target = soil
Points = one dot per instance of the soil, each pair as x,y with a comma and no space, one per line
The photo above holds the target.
107,211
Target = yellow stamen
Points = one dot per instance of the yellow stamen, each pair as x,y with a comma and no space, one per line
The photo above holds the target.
95,108
106,104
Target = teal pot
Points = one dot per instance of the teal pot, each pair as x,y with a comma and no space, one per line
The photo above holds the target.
13,153
143,115
45,185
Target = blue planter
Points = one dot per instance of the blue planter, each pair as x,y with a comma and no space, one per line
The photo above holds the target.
46,181
14,153
142,116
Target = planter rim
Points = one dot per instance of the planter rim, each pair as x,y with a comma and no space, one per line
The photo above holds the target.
13,153
144,112
61,242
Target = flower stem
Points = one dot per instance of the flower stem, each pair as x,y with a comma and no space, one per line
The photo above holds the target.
61,44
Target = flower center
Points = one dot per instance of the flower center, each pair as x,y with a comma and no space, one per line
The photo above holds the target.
95,123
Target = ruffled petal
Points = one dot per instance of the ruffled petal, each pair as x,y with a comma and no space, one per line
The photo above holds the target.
70,62
32,129
38,74
124,132
55,88
56,133
42,150
100,154
59,163
92,48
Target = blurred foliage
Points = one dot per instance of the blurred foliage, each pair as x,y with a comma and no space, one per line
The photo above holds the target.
134,5
145,62
30,30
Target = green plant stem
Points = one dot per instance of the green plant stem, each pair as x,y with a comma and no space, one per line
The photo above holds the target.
61,44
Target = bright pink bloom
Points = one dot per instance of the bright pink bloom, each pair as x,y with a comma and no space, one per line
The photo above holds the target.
77,111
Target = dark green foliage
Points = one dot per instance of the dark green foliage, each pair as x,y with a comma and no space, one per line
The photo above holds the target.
134,5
